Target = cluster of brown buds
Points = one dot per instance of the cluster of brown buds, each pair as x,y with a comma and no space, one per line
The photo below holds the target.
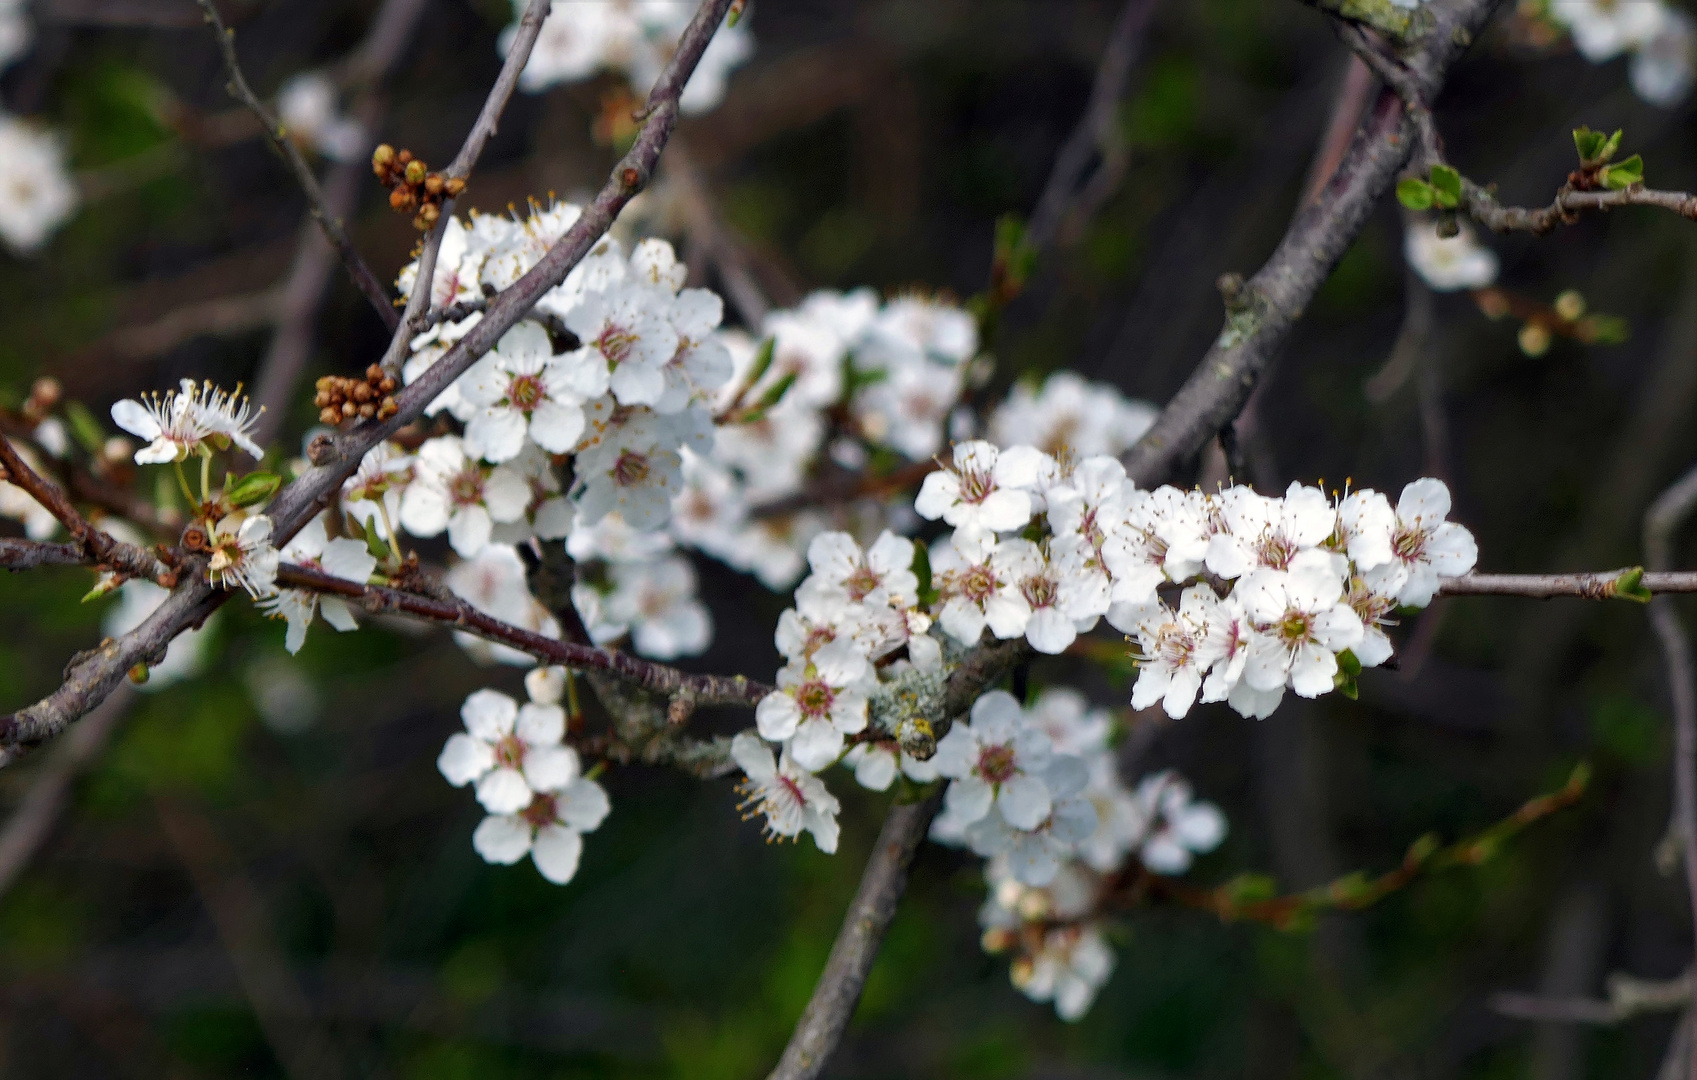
412,186
343,397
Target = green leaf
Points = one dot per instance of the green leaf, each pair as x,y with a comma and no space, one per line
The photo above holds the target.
1446,186
1589,144
762,360
1414,193
1610,148
252,489
351,525
1630,586
1624,175
85,427
1250,888
375,544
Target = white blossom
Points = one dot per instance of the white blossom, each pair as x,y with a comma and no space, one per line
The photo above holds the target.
634,467
1663,67
193,419
493,582
1603,29
1301,624
306,105
995,759
817,702
1072,966
630,333
1178,826
374,490
510,752
37,192
1450,263
982,488
342,557
520,388
1424,547
451,490
1070,416
790,798
550,830
242,555
1177,649
658,601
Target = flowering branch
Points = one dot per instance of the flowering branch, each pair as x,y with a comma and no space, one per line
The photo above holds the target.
97,545
702,689
92,675
364,279
837,992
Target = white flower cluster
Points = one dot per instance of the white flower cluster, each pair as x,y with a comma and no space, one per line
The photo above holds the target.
539,801
1449,263
1045,896
634,37
1661,38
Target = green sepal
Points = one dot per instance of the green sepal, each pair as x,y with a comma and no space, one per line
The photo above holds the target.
762,360
252,489
1249,889
1446,187
1415,193
377,546
1349,673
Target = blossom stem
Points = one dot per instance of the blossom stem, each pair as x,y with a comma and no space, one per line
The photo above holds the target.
205,477
183,483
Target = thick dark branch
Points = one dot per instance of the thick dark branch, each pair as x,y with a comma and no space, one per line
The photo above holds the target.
1597,585
29,554
822,1023
91,676
100,547
363,278
703,689
1261,311
1097,128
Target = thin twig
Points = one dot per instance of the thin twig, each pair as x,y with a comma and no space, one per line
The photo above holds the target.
302,293
1591,585
1628,997
363,278
29,554
92,675
100,547
1098,129
239,916
1661,521
705,689
28,827
709,234
415,317
837,992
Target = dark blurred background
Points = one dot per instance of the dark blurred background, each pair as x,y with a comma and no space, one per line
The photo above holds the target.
266,856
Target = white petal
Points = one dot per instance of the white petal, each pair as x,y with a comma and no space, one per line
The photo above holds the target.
583,805
489,715
816,744
464,759
502,839
777,716
550,768
1024,802
968,799
556,851
540,725
503,791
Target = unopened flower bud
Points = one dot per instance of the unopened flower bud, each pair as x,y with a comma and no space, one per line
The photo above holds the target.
453,186
433,184
45,393
382,158
330,416
415,172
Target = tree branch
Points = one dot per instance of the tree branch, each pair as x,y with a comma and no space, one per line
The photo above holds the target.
1629,996
363,278
29,554
100,547
1398,22
1594,585
92,675
836,994
1261,311
660,678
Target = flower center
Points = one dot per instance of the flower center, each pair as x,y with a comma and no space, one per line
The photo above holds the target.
814,698
996,764
861,583
1409,545
615,344
1276,550
1174,645
976,486
525,392
540,812
466,488
1060,435
509,752
1039,591
979,583
1296,627
631,469
792,789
